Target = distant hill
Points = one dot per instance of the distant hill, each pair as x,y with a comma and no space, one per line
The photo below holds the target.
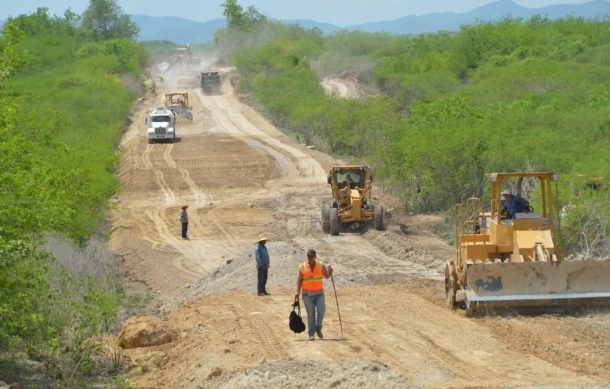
178,30
184,31
450,21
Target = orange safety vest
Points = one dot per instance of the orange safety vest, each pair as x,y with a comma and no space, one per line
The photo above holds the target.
312,280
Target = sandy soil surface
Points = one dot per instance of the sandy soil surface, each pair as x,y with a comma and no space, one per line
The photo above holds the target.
345,85
242,178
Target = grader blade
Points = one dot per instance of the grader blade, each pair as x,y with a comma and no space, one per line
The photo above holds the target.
562,283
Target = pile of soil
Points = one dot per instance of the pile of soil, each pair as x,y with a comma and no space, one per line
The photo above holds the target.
239,274
352,373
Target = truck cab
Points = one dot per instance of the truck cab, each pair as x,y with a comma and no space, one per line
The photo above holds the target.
161,125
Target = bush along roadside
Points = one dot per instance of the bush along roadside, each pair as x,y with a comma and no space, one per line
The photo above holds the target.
63,106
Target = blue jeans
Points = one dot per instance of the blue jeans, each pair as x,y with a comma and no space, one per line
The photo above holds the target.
316,307
262,279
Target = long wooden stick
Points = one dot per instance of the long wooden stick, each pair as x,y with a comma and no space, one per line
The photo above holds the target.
337,300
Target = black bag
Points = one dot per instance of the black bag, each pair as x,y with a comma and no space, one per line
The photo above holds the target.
294,320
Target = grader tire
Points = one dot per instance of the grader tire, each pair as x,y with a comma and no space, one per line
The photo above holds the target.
335,225
450,287
378,218
325,218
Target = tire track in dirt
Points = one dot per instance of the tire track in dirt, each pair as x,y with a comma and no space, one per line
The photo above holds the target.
271,343
235,123
170,197
285,165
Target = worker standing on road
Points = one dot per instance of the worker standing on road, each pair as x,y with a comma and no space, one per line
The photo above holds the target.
311,280
184,219
262,266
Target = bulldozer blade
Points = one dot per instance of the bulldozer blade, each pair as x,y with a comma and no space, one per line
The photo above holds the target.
585,282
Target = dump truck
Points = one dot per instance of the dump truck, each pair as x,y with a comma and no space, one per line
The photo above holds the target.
178,102
352,204
161,124
505,260
183,54
210,82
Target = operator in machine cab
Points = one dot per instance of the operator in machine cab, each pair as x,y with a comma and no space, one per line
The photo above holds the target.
352,180
513,204
348,181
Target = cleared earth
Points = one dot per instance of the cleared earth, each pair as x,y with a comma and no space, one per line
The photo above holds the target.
242,178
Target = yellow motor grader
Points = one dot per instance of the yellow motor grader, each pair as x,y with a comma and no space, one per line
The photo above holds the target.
352,203
178,103
513,260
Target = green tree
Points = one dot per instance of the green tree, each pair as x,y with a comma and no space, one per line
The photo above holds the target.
233,11
104,19
238,19
10,59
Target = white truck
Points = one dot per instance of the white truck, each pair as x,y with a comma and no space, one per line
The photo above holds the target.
161,125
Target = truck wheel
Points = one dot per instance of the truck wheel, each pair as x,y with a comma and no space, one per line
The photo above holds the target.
325,218
150,141
335,225
378,217
450,287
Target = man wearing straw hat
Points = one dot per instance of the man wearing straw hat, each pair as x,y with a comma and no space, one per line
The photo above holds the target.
262,266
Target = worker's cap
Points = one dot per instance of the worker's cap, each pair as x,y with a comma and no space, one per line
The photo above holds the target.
505,193
262,239
184,206
311,253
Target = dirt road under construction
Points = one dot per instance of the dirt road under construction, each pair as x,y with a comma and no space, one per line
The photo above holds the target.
243,178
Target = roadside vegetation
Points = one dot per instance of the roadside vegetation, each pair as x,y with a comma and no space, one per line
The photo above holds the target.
65,91
517,95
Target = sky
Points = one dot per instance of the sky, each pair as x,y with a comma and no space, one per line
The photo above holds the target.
338,12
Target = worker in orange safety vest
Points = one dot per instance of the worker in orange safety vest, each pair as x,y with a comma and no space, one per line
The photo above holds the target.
311,281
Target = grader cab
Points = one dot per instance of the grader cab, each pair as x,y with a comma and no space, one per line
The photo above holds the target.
513,260
352,204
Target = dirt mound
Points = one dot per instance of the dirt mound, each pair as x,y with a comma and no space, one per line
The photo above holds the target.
145,331
239,273
345,85
352,373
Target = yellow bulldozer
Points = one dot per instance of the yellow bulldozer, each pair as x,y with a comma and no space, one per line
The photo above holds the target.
352,204
508,257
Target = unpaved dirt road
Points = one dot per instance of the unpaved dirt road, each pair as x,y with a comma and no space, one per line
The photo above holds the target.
242,178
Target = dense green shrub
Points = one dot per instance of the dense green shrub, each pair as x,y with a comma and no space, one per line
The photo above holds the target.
63,108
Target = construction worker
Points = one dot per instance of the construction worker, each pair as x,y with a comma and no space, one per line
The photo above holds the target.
348,182
262,266
310,281
513,204
184,219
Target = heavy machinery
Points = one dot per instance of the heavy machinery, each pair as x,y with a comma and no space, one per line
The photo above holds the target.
183,54
352,203
210,82
161,124
502,261
179,104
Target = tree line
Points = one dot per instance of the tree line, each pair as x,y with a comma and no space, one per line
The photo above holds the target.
66,86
